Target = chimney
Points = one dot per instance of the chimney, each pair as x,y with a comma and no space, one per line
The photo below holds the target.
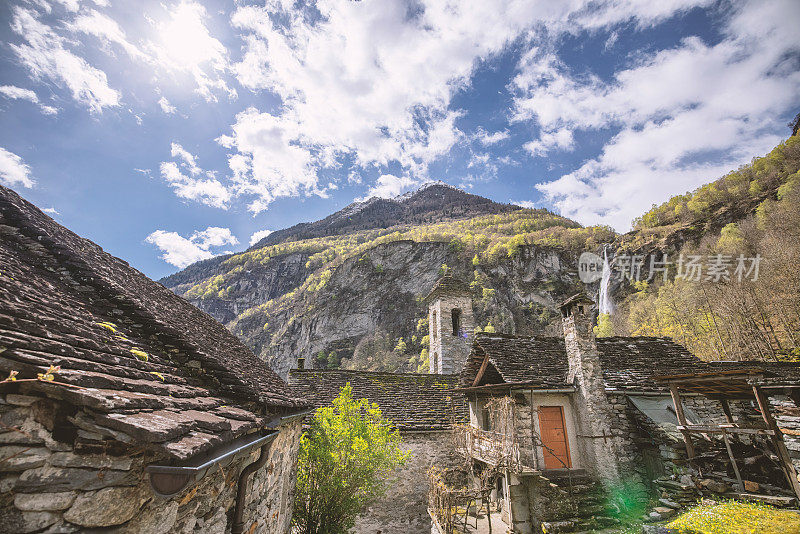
594,412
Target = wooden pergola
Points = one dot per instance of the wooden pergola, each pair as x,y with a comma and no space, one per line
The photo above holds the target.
726,386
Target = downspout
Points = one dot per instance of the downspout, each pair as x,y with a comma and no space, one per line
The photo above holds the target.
237,526
241,490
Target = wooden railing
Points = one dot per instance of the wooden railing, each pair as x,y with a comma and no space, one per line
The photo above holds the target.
451,505
498,449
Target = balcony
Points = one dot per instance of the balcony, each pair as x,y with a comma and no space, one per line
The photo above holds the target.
497,449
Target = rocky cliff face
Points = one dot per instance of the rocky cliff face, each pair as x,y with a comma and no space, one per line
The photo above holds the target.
320,288
382,290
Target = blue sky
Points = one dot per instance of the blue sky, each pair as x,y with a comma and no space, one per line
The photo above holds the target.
171,131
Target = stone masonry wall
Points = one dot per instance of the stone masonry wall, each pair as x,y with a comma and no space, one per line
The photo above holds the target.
70,478
592,408
787,416
404,509
449,352
647,451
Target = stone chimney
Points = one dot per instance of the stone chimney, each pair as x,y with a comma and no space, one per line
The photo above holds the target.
450,325
594,414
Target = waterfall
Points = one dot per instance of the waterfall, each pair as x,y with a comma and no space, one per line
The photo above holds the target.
605,303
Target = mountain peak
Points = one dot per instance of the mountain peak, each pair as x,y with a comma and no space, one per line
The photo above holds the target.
434,184
433,201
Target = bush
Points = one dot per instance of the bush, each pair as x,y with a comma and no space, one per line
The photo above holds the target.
346,457
736,517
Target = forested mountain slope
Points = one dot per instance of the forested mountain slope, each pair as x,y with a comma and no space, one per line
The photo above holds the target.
346,290
751,212
320,296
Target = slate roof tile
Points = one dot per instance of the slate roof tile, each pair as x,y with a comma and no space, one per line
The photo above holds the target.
410,401
123,341
449,285
628,363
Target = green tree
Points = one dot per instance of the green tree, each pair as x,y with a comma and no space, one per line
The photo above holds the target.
346,457
333,360
604,328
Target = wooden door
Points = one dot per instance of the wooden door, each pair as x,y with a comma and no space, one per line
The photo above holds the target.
554,437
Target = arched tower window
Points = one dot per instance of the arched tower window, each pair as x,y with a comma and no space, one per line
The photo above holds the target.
455,314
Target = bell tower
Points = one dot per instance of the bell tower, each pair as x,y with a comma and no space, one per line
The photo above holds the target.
450,325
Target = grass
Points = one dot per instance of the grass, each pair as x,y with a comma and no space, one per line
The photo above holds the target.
735,517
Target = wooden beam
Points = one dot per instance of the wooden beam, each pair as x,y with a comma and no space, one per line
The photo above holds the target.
733,460
777,440
481,370
708,429
687,438
727,409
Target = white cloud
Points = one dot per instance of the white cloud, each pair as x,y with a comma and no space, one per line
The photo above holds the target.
684,115
209,191
189,161
488,139
14,171
51,211
46,57
214,236
186,45
548,140
18,93
268,164
390,186
258,236
70,5
198,185
107,30
166,107
529,204
182,252
371,82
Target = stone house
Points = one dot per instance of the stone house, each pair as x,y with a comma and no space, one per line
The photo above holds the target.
424,409
127,409
563,430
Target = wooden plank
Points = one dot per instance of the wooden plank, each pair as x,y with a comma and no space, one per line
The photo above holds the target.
733,460
702,429
777,440
687,438
752,370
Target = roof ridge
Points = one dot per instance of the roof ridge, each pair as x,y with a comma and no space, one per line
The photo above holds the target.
106,273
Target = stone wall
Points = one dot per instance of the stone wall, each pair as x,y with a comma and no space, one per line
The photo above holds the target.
649,452
404,509
592,409
787,416
61,475
448,352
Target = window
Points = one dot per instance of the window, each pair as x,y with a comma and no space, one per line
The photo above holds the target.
455,314
434,325
486,421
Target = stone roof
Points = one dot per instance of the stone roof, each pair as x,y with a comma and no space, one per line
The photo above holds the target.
539,361
410,401
143,360
449,285
578,297
629,363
